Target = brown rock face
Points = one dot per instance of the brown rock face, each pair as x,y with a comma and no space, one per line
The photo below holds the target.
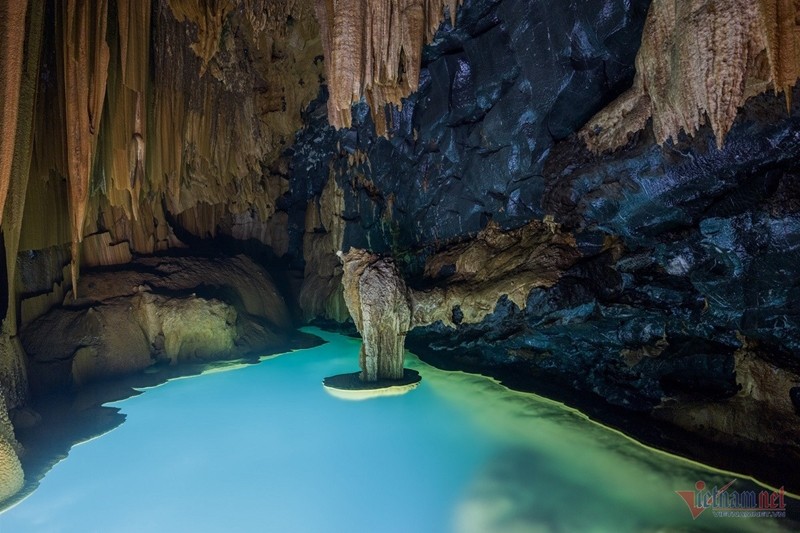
85,72
169,310
373,48
11,475
150,112
377,298
698,63
473,275
760,418
12,38
321,292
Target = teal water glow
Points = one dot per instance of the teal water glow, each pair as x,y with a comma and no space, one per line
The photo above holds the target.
265,448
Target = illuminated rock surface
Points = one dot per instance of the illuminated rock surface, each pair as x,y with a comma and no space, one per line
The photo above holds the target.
698,64
164,310
11,474
374,50
377,298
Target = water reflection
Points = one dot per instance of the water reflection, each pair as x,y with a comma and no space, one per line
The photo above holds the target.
555,470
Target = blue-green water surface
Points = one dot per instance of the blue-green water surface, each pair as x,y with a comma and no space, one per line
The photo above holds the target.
265,448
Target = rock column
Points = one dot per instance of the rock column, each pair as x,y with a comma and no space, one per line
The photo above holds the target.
377,299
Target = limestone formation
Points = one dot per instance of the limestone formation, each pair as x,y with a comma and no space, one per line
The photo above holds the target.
698,63
84,66
13,372
466,279
373,49
15,184
759,417
11,474
321,292
377,298
169,310
155,114
208,17
469,278
12,38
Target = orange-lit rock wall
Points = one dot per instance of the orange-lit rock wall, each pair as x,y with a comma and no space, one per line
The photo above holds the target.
700,60
373,49
130,115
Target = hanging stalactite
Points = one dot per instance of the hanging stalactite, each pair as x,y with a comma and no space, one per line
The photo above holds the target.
699,62
12,39
373,49
85,71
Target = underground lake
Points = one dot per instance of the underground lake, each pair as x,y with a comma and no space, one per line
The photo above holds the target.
264,447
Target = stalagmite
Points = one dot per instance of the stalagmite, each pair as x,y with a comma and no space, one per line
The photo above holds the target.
698,63
377,298
85,70
373,48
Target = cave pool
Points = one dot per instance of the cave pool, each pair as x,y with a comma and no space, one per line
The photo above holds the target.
263,447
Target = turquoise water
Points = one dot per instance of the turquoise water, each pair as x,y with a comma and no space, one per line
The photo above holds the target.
264,448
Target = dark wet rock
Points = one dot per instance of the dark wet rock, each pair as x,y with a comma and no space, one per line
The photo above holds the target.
496,93
689,255
794,394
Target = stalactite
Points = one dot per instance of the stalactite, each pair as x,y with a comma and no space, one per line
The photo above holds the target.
781,37
12,39
374,49
21,165
124,130
84,66
209,17
698,63
218,142
170,141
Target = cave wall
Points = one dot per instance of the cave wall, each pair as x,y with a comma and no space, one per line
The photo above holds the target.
128,123
145,116
674,181
497,90
598,193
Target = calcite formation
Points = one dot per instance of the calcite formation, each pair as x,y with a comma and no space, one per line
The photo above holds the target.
469,278
209,18
321,292
166,309
145,115
84,67
15,166
373,49
465,283
12,39
11,475
377,298
699,62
